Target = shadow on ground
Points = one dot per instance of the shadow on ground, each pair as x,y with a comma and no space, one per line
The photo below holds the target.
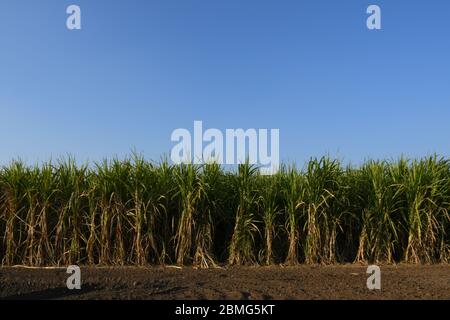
53,293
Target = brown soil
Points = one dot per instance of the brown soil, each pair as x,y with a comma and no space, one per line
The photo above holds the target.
303,282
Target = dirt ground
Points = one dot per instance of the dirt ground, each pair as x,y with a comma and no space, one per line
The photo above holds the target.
237,283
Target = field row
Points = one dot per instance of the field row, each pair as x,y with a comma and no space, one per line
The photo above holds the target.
135,212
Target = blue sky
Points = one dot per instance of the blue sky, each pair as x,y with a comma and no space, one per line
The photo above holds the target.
139,69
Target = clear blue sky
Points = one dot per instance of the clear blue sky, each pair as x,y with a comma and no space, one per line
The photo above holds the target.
139,69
